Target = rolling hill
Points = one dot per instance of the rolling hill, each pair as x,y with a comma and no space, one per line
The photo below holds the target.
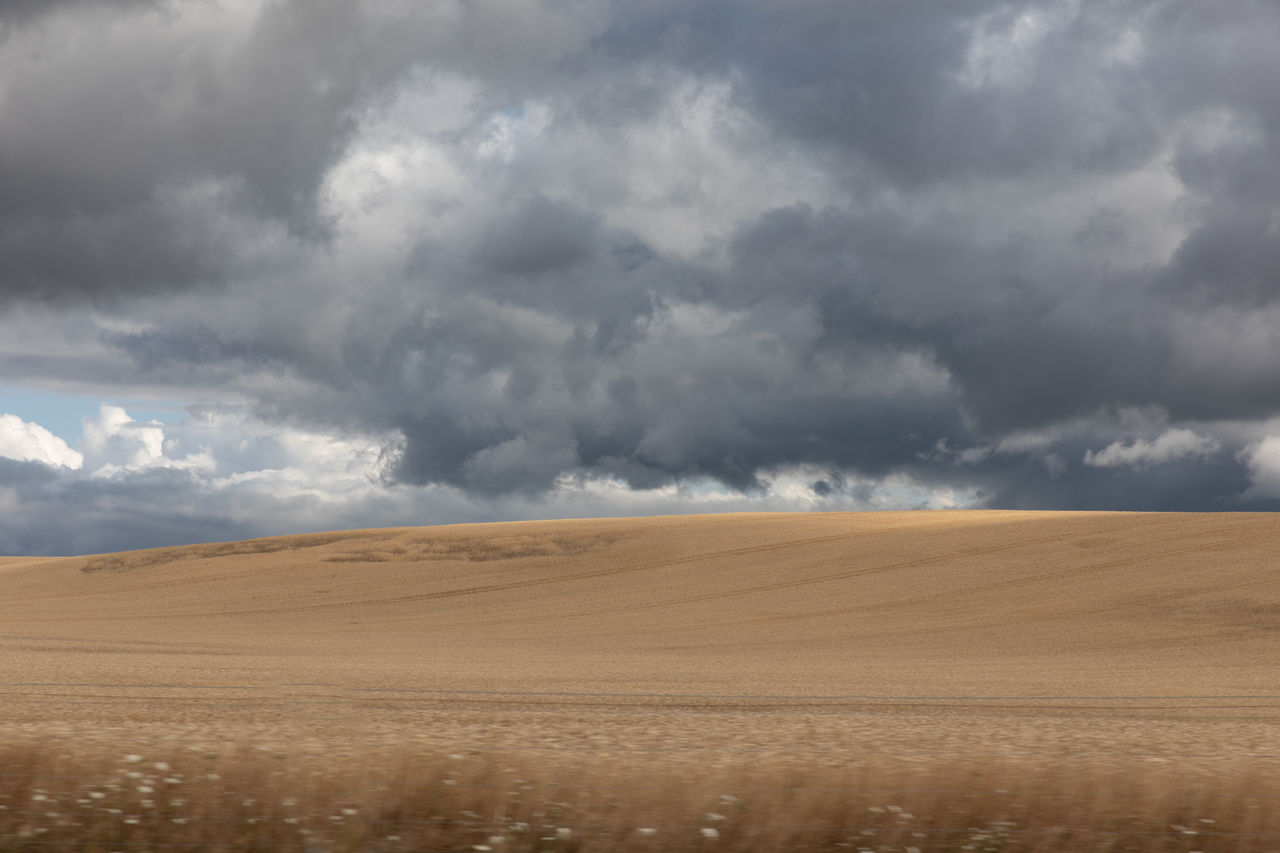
1012,627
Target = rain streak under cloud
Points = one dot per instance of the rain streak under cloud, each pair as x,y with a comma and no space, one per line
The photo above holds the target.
412,263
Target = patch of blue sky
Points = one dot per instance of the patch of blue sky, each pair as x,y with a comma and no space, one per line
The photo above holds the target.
63,414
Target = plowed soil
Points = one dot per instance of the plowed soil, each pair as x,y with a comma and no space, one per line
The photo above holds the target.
833,636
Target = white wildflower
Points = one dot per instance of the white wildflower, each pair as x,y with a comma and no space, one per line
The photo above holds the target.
708,832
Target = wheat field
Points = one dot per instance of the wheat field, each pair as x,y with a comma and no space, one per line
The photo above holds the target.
910,681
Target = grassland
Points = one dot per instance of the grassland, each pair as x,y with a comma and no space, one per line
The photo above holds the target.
983,681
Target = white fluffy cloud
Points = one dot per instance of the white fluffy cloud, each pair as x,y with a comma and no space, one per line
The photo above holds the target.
28,442
1171,445
1263,461
224,449
113,442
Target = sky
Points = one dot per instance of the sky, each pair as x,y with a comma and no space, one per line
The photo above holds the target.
275,266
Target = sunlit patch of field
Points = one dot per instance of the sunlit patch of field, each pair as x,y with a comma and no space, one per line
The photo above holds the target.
1028,681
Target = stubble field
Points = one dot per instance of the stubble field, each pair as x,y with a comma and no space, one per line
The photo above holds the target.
887,681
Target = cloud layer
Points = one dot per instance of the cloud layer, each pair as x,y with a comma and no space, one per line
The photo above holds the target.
546,257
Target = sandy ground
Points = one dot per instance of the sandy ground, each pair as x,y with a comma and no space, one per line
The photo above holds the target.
829,636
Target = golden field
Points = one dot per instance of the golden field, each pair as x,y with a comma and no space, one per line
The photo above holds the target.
877,681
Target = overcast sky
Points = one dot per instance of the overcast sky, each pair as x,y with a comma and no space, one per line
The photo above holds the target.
270,266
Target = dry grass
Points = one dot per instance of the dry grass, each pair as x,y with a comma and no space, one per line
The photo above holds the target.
261,800
1037,681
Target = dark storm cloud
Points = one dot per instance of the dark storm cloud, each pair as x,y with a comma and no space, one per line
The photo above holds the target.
137,165
1028,338
1025,346
884,81
1233,258
143,154
1005,229
539,236
1197,485
13,12
611,361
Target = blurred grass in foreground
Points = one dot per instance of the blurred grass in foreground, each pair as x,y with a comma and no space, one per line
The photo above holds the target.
54,797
